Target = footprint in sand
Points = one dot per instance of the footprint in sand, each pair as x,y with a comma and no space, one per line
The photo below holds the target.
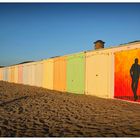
20,110
5,122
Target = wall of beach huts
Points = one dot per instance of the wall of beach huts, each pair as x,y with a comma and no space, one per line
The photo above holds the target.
104,73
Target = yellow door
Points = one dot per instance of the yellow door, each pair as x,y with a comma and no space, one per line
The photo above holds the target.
38,73
97,74
25,74
30,74
12,74
48,74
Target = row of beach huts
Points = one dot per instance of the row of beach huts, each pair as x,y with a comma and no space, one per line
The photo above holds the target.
104,72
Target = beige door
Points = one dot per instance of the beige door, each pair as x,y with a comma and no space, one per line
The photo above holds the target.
29,74
97,75
32,74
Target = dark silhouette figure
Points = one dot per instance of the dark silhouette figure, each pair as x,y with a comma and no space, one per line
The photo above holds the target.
135,74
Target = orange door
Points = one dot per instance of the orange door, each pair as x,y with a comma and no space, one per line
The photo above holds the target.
16,74
20,74
12,73
60,73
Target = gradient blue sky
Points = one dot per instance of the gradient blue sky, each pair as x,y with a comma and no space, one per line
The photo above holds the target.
38,31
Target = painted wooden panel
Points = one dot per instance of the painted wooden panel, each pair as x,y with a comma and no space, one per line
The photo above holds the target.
5,74
39,74
0,74
33,82
25,74
127,72
76,73
12,73
29,78
20,73
48,72
16,74
60,73
98,74
9,74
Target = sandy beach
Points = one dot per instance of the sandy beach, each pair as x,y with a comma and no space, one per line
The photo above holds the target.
27,111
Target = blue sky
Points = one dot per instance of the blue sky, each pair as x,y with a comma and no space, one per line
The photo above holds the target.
38,31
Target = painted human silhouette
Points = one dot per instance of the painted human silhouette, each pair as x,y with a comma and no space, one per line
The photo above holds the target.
135,74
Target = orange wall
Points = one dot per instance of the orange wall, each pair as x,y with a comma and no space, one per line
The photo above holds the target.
123,63
60,73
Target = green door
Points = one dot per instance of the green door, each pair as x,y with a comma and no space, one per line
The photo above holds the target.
76,73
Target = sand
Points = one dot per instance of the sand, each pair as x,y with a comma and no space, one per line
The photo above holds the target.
27,111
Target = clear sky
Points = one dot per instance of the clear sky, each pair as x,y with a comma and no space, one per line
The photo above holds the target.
38,31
